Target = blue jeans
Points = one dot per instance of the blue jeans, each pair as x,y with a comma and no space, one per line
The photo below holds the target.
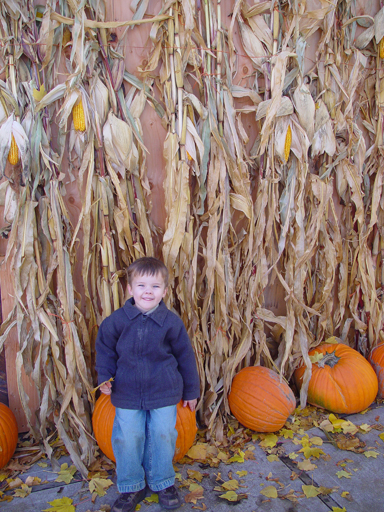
144,445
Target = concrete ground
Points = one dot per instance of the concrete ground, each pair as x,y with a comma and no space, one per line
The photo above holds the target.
278,478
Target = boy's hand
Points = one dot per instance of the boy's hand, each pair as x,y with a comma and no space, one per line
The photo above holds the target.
106,388
192,403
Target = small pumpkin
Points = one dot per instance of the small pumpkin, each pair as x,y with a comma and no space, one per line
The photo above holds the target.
104,416
259,400
342,381
186,431
376,358
8,434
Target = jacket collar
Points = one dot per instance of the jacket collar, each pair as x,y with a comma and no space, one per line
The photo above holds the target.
158,315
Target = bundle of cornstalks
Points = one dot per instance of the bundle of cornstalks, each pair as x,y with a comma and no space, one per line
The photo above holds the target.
273,180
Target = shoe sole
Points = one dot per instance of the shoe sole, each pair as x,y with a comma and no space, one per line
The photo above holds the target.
170,507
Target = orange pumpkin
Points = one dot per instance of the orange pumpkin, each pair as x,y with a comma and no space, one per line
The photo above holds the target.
186,431
259,400
104,415
8,434
376,358
342,381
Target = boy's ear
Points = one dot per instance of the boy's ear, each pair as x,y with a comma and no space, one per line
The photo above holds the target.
130,290
165,291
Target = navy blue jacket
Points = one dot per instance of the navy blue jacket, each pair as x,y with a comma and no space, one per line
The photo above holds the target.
150,357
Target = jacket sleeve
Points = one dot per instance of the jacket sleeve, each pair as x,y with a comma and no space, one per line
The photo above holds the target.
106,355
185,356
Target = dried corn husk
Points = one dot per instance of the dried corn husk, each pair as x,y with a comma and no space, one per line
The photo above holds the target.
243,223
305,109
324,138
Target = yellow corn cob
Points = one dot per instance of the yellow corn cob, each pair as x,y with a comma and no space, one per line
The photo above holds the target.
287,146
381,48
78,116
13,155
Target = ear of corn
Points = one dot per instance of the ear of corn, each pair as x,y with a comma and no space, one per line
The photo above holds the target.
13,155
288,141
381,48
78,117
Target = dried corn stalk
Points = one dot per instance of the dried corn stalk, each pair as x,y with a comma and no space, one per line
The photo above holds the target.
291,207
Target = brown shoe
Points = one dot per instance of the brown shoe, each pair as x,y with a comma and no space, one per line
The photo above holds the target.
127,501
169,498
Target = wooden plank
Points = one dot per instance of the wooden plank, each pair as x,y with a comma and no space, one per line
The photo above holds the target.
11,346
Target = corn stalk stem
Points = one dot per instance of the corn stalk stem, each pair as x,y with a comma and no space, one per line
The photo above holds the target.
208,36
219,47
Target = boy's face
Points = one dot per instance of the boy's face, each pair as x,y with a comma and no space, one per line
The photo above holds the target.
147,291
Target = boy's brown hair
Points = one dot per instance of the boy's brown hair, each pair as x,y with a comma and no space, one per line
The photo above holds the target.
147,266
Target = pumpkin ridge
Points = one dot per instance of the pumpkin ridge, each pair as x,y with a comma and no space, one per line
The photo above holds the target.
258,399
336,388
274,392
263,403
321,379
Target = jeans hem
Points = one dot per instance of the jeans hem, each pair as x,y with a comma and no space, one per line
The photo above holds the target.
131,488
162,485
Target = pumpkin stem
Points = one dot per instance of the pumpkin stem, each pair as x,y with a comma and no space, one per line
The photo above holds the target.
329,359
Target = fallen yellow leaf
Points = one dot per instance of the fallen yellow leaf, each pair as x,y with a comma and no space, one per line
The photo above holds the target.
371,453
232,496
286,433
99,485
237,458
231,485
336,422
269,441
349,428
311,452
23,492
316,440
196,494
61,505
341,474
66,473
306,465
153,498
310,491
332,339
317,356
222,456
14,482
197,452
196,475
32,480
270,491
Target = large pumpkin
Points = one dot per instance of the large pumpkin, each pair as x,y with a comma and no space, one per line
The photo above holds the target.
104,415
376,358
8,434
259,400
342,381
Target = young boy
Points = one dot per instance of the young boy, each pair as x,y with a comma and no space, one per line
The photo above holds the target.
146,349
